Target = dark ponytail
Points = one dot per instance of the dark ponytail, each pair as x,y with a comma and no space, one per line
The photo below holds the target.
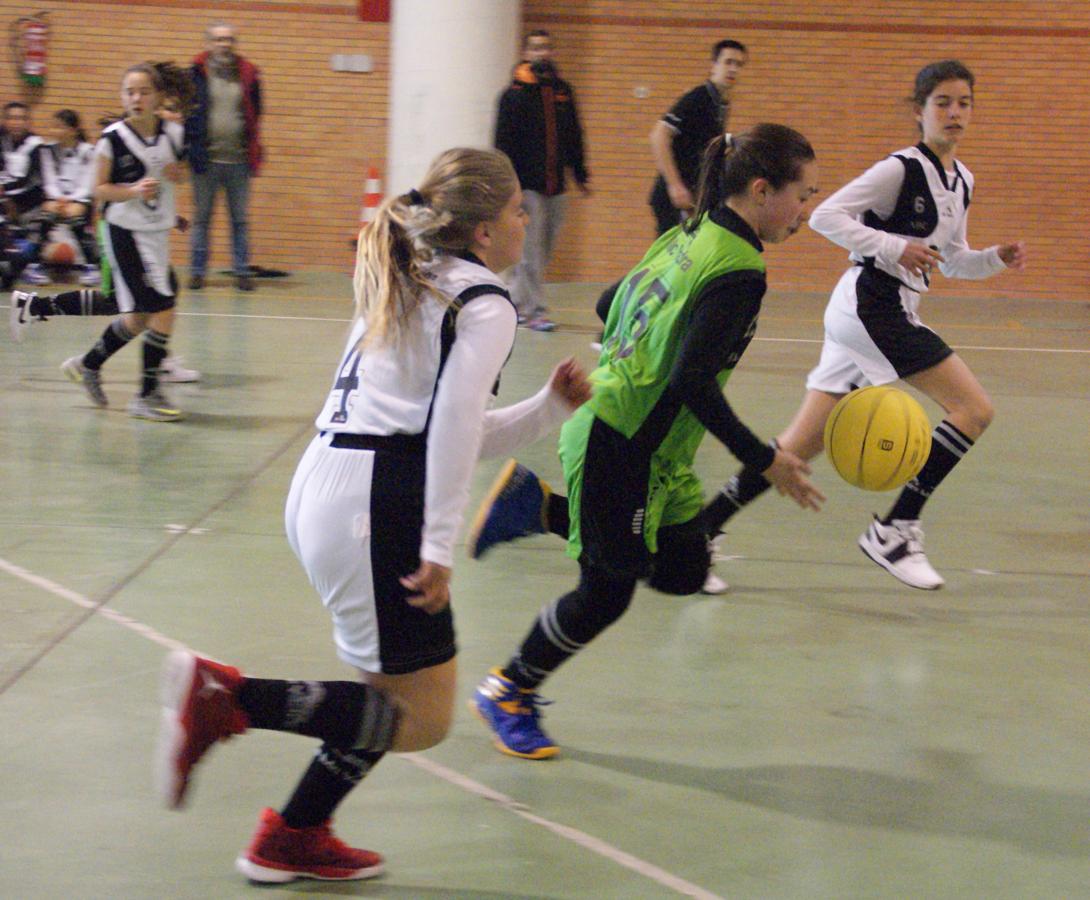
70,119
773,152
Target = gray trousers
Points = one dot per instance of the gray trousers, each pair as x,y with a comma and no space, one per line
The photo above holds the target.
527,279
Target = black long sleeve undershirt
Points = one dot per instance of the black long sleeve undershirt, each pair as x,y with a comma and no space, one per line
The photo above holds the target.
723,320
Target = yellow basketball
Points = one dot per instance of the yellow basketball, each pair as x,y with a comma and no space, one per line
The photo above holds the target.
877,438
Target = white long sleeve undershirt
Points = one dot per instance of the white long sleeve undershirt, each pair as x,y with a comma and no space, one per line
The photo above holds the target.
838,219
462,429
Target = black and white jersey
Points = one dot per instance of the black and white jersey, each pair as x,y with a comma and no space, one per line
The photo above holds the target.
907,197
439,384
431,382
22,164
68,173
384,390
134,158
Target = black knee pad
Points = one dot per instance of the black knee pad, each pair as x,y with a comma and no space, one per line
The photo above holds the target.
683,559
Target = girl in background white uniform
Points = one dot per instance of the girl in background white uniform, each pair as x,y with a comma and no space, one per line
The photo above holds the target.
139,161
901,218
68,179
376,505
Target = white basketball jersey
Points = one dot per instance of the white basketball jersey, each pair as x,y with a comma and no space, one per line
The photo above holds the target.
135,158
385,390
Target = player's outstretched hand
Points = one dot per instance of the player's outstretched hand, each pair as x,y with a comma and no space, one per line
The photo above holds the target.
788,474
1013,255
569,380
431,586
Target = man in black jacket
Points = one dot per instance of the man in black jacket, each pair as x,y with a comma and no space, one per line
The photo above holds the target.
537,126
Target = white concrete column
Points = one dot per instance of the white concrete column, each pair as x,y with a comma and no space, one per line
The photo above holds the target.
449,61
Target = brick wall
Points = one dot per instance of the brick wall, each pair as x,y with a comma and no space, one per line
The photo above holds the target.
840,77
320,130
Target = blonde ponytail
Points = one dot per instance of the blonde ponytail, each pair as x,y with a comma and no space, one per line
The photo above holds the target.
463,187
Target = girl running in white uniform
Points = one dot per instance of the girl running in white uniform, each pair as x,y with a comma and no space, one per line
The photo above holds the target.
140,159
375,508
901,219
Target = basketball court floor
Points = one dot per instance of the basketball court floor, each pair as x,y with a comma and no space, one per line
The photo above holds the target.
820,731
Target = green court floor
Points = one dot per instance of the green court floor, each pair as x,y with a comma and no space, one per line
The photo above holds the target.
818,732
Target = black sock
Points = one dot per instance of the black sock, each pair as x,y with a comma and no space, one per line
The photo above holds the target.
87,242
345,714
155,351
113,339
327,781
42,307
569,623
740,490
556,515
84,302
948,446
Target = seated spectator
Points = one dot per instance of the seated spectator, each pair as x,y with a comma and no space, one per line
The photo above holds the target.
21,177
67,170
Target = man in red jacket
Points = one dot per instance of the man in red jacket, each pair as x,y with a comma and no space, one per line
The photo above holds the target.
224,141
537,126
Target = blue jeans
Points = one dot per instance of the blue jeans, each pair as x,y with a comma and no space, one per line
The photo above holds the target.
234,178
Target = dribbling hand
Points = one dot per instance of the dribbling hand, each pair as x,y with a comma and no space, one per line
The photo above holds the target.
431,586
788,475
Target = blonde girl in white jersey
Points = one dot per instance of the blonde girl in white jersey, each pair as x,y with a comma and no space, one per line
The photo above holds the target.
375,508
902,219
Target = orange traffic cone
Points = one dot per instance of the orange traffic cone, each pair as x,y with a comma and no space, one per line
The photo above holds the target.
372,196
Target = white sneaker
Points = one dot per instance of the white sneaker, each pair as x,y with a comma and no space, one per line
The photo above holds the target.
713,584
34,274
19,317
173,372
898,548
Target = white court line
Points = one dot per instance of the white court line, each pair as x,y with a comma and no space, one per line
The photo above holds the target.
954,346
648,870
79,600
589,842
766,340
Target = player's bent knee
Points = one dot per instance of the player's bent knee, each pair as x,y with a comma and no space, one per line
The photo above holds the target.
419,734
683,559
984,416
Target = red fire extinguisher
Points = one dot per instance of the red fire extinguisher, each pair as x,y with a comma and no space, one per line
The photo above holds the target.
30,47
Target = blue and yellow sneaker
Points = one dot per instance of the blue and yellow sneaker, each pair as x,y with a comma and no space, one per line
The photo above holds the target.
516,506
512,714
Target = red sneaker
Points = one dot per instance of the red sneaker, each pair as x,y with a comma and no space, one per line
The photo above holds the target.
280,854
199,708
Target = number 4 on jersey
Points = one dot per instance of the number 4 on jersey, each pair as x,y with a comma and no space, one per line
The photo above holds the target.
347,381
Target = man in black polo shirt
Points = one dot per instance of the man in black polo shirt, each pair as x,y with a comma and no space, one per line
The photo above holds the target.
679,138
